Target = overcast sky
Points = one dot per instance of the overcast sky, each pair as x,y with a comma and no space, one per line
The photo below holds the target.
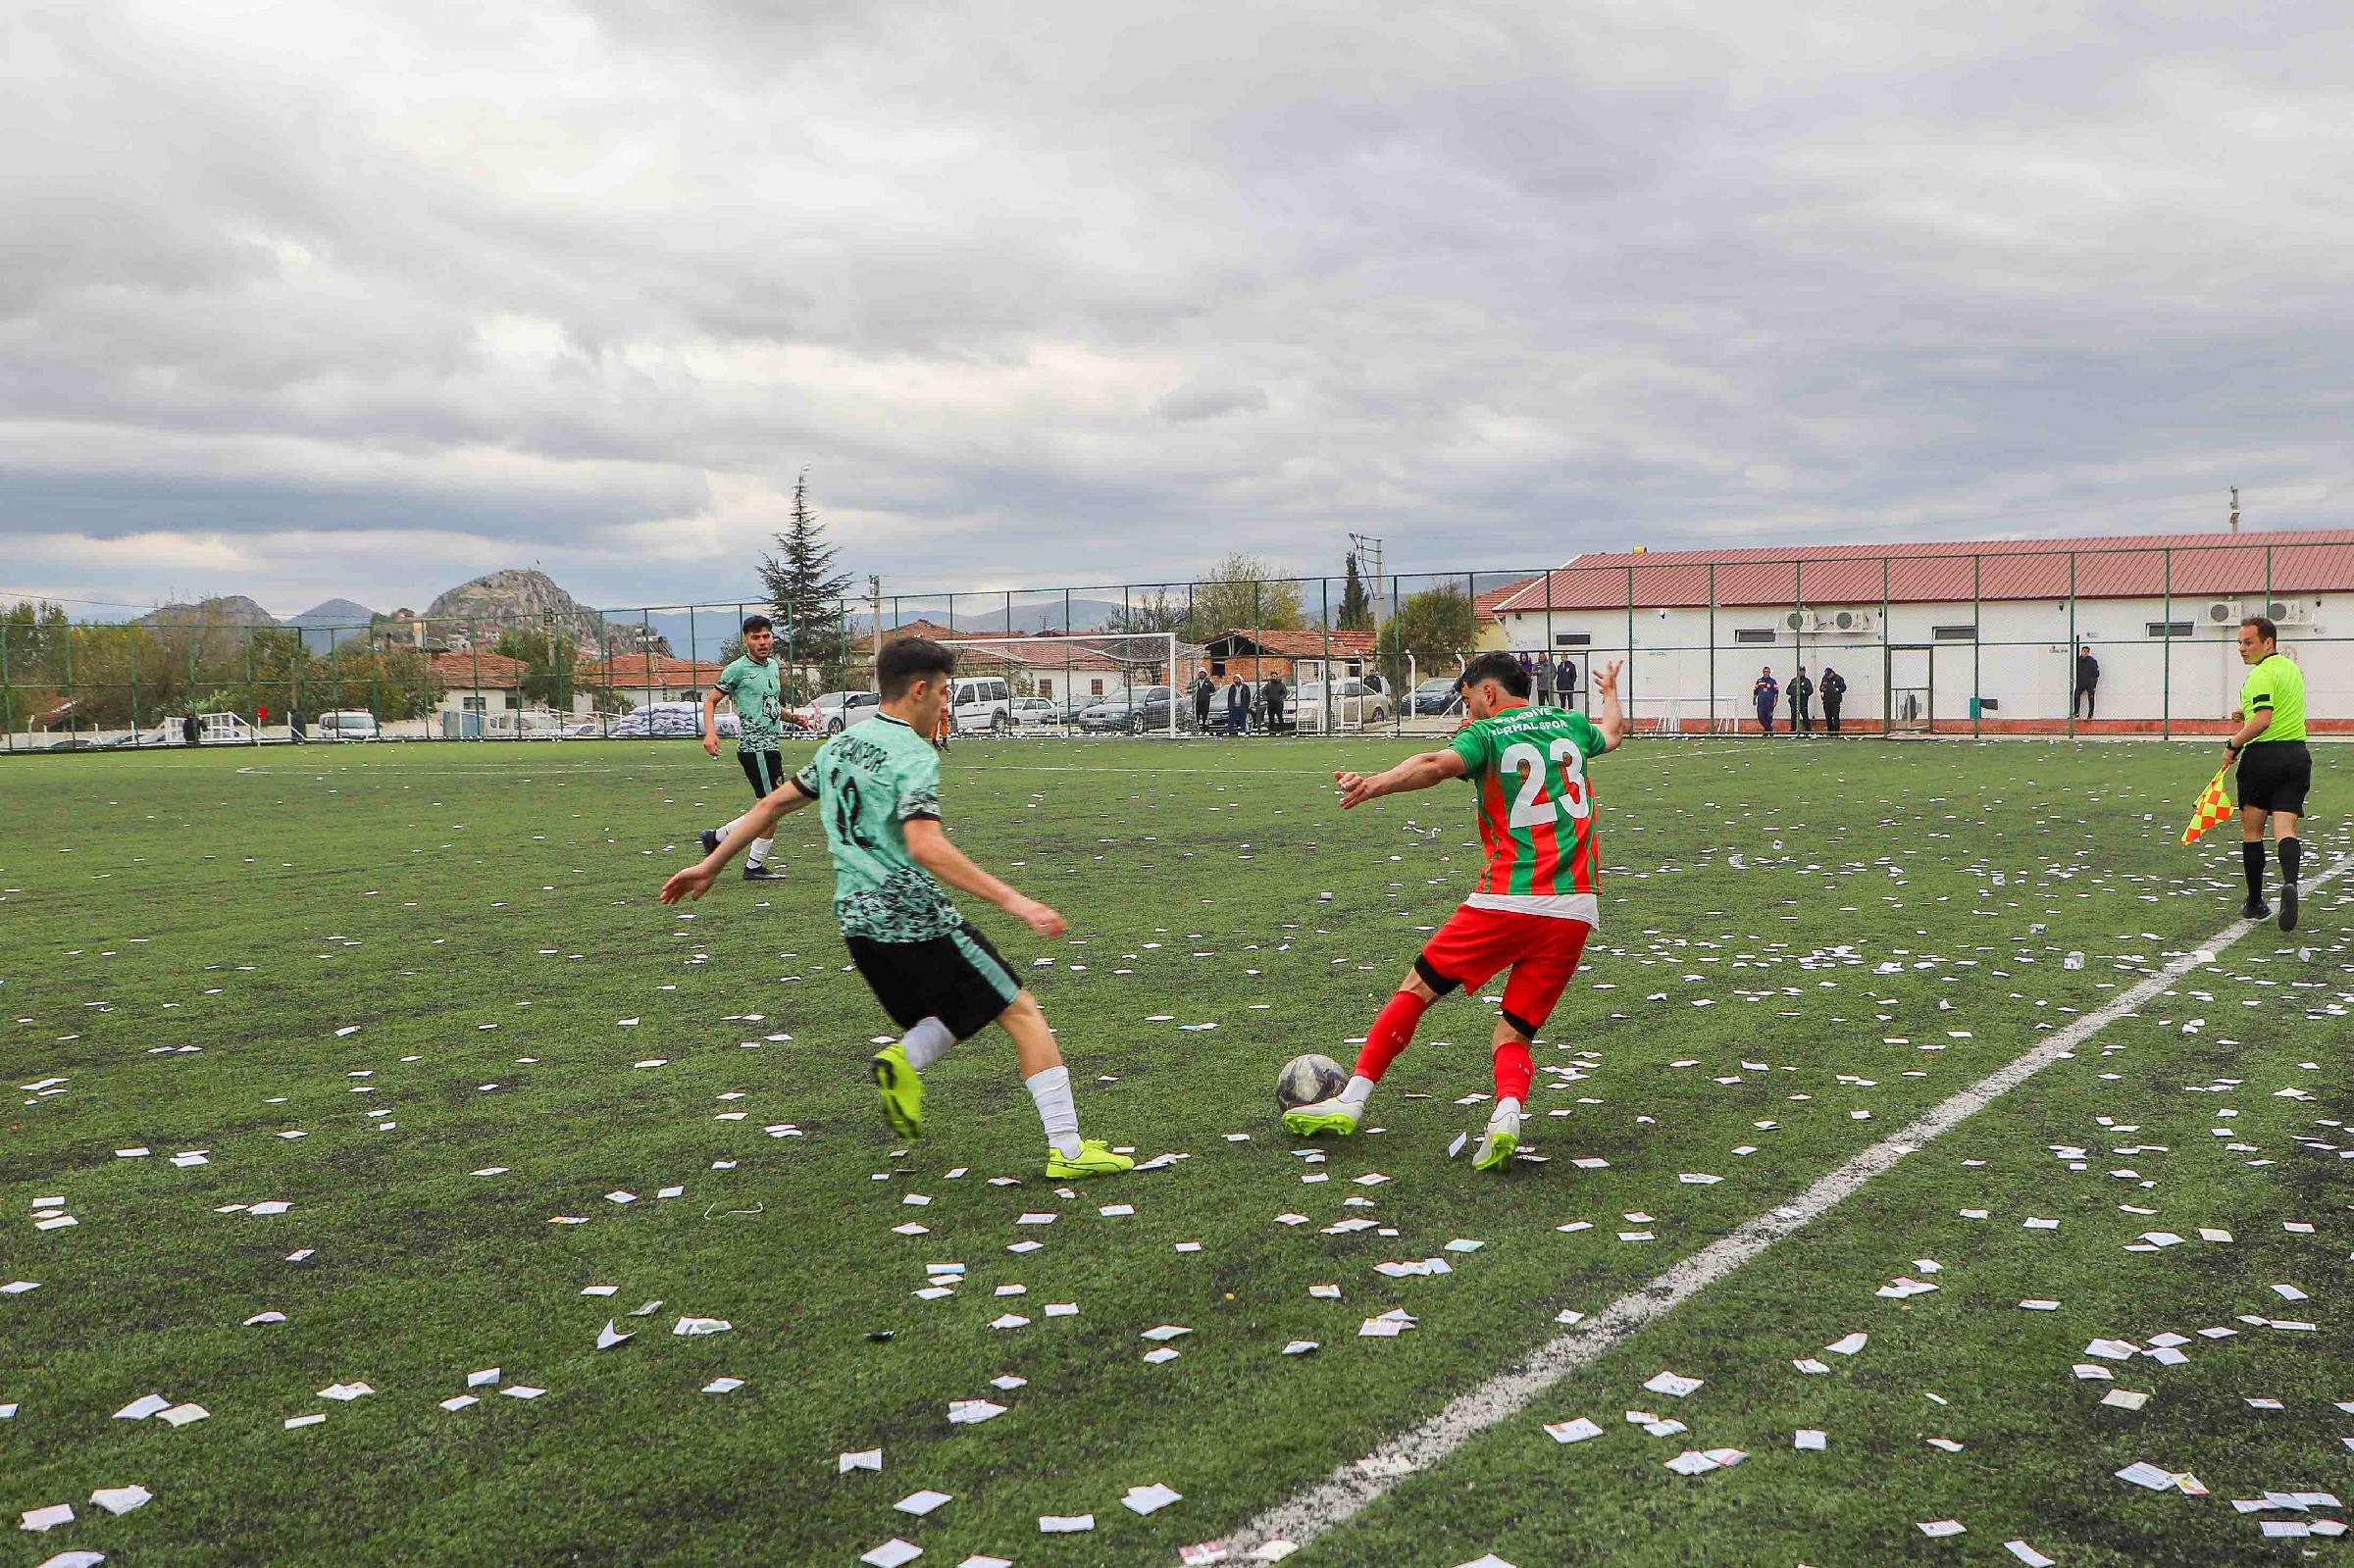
339,299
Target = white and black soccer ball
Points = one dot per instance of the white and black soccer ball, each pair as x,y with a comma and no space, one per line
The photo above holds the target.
1305,1080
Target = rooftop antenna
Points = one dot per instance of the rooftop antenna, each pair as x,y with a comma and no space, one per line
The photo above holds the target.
2235,509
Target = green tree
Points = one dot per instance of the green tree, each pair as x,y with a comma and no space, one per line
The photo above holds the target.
1357,605
1436,626
806,592
1240,592
550,664
1147,615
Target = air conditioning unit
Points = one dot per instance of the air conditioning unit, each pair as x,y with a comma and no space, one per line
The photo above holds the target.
2288,612
1795,621
1851,620
2221,612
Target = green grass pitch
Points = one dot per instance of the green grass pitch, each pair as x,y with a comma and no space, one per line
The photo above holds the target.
438,962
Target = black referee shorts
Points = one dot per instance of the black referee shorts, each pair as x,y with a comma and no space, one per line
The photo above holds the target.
765,768
958,978
2274,774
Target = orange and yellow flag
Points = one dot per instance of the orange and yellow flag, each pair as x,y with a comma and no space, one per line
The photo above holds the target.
2211,808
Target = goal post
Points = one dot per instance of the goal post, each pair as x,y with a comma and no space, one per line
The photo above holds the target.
1095,682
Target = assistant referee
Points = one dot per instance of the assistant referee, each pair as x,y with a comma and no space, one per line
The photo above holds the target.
2275,768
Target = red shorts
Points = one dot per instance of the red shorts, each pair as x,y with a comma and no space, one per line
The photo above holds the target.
1541,950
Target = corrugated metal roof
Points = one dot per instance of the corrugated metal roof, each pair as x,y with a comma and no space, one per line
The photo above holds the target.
2194,564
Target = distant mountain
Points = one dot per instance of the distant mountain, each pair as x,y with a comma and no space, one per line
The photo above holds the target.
523,598
323,625
233,609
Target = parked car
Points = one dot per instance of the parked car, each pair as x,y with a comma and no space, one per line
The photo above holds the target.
1353,705
1136,711
1036,713
1438,697
982,702
341,726
832,711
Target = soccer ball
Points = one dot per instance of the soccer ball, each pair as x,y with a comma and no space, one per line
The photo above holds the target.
1305,1080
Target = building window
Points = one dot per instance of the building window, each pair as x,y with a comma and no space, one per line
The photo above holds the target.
1751,633
1572,639
1955,633
472,704
1094,687
2172,629
1046,685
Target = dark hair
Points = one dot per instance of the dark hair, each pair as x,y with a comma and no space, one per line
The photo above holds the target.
757,622
2263,625
1502,668
904,661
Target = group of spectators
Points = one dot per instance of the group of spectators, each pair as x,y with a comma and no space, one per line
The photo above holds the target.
1800,693
1241,697
1550,684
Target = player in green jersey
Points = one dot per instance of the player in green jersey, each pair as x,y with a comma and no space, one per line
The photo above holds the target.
940,978
752,682
1533,905
2275,768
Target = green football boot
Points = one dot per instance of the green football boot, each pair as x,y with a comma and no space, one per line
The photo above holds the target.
900,1090
1335,1116
1497,1144
1095,1158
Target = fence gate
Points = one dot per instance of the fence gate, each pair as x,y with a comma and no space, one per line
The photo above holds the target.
1912,689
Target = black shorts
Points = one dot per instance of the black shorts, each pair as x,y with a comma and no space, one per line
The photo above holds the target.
765,768
958,978
2274,774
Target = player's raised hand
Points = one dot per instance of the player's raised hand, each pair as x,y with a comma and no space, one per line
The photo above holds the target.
1045,921
1606,684
1356,788
690,884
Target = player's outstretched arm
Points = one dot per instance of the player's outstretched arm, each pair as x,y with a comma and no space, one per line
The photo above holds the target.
1614,717
758,823
928,842
1418,772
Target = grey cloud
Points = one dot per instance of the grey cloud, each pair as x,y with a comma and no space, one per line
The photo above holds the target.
1207,400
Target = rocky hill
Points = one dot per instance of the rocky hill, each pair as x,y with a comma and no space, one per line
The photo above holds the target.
336,621
233,609
522,597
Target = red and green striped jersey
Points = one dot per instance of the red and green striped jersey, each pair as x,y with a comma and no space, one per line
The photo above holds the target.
1536,809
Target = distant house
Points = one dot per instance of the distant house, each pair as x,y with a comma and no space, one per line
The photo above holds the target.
1301,656
1039,664
638,679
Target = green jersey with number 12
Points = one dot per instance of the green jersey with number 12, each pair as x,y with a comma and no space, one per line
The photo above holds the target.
1536,810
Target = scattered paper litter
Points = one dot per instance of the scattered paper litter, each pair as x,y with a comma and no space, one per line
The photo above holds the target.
891,1553
1149,1499
121,1499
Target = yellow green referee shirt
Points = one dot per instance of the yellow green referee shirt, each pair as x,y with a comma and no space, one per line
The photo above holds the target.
2277,684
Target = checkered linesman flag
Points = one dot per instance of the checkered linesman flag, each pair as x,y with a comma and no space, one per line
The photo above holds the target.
2211,808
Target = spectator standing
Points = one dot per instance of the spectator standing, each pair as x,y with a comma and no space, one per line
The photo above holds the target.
1238,705
1801,702
1543,682
1564,682
2088,678
1833,689
294,726
1273,694
1764,693
1204,689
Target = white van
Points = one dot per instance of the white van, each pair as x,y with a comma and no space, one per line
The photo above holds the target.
346,726
983,702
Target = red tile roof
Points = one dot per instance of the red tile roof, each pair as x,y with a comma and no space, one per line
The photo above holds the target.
2203,566
1308,642
637,670
486,672
1490,602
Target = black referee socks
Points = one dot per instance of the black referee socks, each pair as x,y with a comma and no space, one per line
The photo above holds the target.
2290,851
2251,856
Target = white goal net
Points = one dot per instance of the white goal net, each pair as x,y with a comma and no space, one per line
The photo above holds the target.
1091,682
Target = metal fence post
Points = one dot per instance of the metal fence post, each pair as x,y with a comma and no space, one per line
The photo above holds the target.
2165,655
1887,660
2072,644
1630,640
1709,727
1977,639
8,697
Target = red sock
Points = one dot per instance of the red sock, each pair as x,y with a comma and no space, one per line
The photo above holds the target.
1513,1070
1390,1033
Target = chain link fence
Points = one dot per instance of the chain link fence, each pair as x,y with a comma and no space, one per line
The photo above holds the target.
2024,641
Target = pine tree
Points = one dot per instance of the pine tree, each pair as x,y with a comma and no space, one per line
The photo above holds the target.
1356,606
804,591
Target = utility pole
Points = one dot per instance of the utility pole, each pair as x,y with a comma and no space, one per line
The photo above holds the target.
1368,548
2235,509
874,594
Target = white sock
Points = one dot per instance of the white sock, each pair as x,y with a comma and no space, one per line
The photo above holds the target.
1359,1090
1051,1090
759,853
729,826
927,1042
1506,1106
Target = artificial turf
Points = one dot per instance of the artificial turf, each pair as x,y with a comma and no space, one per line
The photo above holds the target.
484,917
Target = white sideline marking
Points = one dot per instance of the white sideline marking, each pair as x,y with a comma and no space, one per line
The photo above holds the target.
1338,1497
